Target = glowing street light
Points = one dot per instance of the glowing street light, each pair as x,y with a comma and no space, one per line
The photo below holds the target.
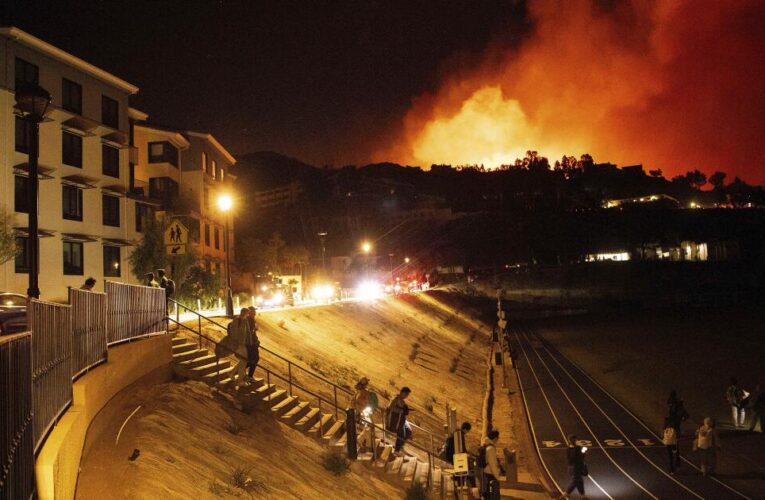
225,203
406,260
366,247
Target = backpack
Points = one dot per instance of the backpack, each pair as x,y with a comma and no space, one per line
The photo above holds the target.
170,288
481,460
374,403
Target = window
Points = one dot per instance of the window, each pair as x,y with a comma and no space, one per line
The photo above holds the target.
111,209
204,162
163,188
26,73
222,173
22,135
73,258
72,202
163,152
142,213
21,193
206,198
110,114
71,149
207,235
112,262
217,239
23,262
71,96
214,170
110,158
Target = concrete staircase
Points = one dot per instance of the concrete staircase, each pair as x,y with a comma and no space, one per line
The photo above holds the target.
190,362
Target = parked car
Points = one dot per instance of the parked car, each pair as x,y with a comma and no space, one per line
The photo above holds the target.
13,313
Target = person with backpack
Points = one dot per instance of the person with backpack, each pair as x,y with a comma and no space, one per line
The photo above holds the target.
239,332
449,448
253,343
488,466
167,285
669,438
707,442
396,418
735,397
577,467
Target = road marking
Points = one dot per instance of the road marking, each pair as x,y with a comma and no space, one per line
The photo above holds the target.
595,382
588,425
632,445
555,417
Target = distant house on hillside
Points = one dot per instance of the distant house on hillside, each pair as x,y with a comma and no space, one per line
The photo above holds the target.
648,201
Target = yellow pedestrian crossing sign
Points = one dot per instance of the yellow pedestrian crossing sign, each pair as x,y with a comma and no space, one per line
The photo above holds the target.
176,238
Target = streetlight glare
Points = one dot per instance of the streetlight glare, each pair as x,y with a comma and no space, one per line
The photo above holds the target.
366,247
406,260
225,202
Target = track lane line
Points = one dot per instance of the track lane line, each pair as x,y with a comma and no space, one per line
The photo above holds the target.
592,433
638,420
557,422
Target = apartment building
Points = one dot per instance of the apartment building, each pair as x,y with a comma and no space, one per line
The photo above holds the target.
182,173
84,172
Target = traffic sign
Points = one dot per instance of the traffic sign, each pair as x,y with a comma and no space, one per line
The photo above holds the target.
175,249
176,234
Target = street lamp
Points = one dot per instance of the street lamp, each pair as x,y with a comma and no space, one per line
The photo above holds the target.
366,247
322,237
406,260
32,103
225,202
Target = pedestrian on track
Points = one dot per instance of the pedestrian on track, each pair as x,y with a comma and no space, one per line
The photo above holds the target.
577,467
735,396
669,438
707,442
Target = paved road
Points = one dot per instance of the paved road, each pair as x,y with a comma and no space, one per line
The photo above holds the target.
625,457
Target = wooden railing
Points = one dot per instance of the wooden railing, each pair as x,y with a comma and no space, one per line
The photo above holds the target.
17,462
88,329
133,311
51,325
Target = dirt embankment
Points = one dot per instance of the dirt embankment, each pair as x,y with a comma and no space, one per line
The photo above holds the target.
186,442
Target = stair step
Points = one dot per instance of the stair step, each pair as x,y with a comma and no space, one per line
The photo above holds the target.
437,478
188,355
334,430
188,346
284,405
394,466
178,340
321,425
202,357
384,456
421,473
219,375
307,421
293,414
210,368
408,469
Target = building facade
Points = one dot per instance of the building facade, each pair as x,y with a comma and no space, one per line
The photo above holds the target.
84,158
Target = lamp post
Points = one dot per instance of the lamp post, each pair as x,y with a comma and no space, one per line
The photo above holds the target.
322,238
32,102
366,247
224,204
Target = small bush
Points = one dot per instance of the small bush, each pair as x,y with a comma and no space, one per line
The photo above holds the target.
240,478
429,407
335,462
392,382
385,393
416,491
282,324
233,428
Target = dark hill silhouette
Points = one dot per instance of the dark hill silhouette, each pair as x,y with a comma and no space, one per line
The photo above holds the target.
265,170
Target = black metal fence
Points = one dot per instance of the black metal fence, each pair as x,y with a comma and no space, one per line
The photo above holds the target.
17,462
133,311
88,329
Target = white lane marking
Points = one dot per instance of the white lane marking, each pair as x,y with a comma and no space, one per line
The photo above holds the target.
595,382
619,429
117,441
592,433
555,417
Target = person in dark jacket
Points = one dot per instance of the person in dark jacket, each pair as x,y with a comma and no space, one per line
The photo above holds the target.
576,467
253,344
396,418
449,448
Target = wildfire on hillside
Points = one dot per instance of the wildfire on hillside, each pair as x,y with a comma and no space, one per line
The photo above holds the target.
671,84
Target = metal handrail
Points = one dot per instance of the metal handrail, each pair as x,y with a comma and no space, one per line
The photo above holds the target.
289,362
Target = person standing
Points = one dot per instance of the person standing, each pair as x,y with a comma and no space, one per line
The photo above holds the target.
449,448
490,470
669,438
707,442
757,407
396,418
735,397
253,343
239,332
577,468
676,411
361,398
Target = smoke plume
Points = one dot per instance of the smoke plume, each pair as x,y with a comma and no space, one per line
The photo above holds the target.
673,84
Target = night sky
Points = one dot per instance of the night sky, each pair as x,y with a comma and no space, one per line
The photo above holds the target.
673,85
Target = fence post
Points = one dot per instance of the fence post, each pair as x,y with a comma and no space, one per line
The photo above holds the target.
350,433
289,370
336,411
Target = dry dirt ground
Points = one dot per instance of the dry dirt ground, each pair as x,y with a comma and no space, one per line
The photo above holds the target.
640,357
194,444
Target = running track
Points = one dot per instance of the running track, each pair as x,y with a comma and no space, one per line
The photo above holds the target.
625,457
